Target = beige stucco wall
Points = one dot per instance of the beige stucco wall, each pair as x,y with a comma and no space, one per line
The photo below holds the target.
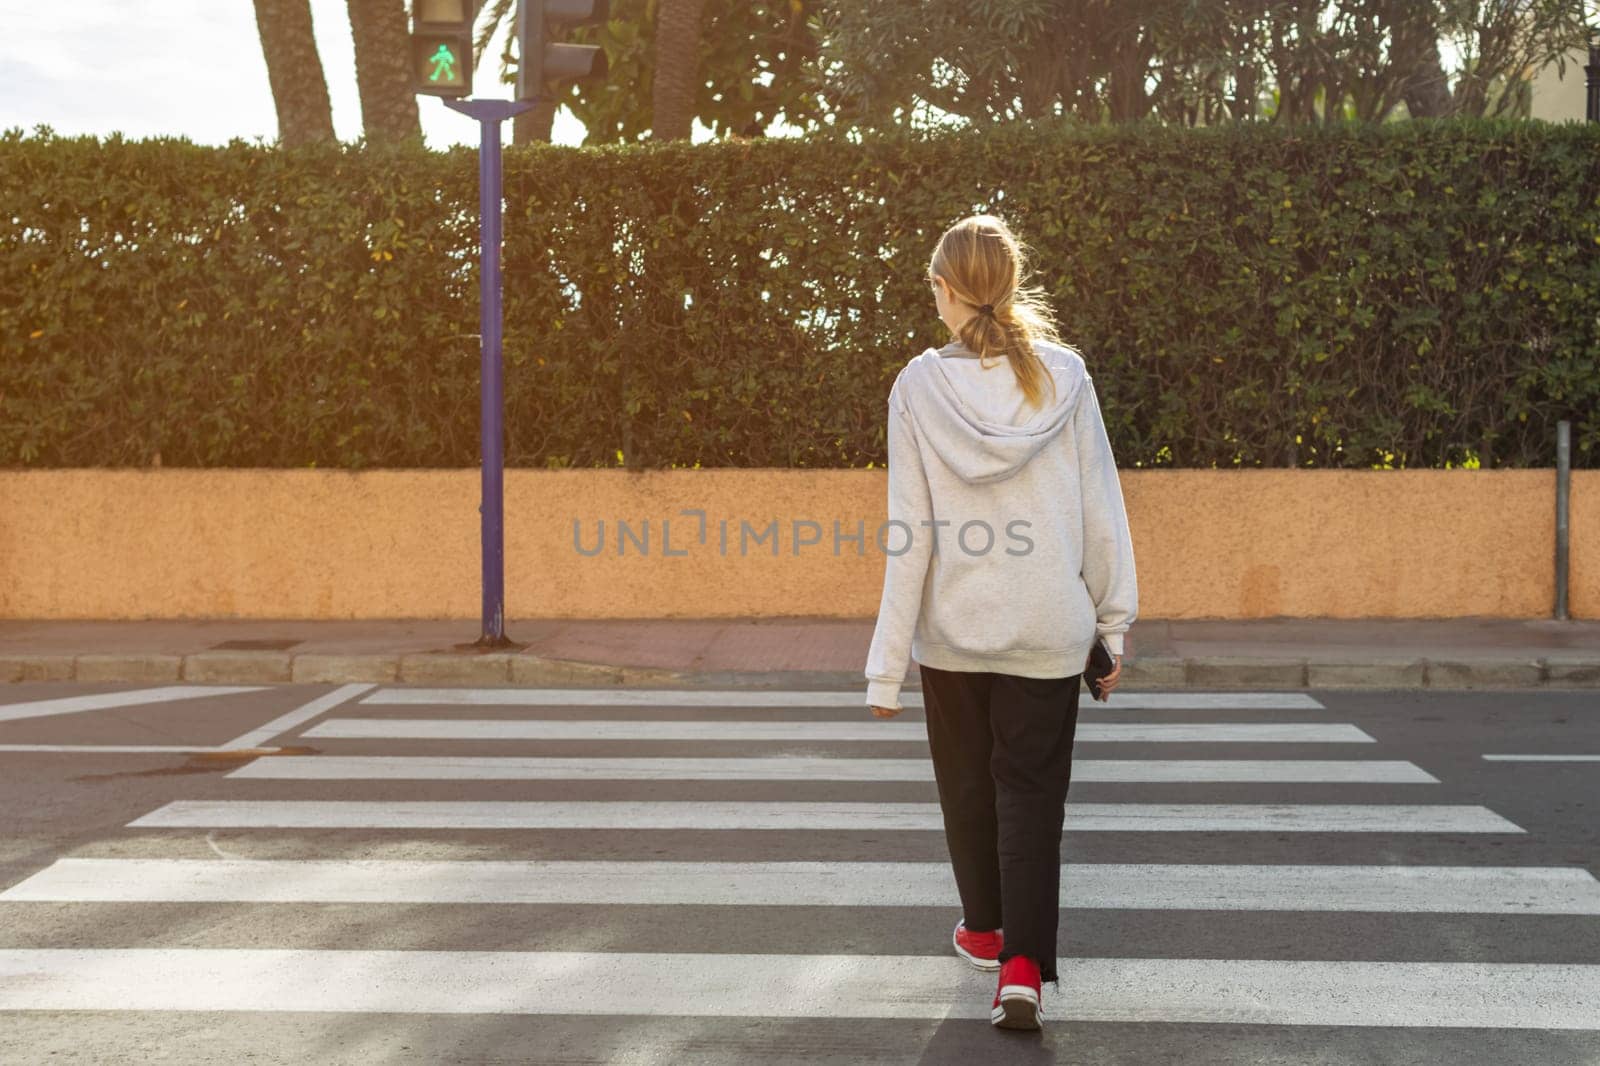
1559,94
176,543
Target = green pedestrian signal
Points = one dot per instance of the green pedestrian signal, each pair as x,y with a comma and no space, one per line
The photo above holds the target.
441,46
444,64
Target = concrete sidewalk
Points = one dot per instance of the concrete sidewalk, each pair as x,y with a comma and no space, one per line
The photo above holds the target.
785,652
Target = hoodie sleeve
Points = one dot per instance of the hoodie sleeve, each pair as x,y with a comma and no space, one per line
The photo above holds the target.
903,575
1108,568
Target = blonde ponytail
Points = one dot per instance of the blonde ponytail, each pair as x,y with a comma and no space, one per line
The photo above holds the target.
984,264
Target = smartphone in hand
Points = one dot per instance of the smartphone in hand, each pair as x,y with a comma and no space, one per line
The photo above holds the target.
1099,665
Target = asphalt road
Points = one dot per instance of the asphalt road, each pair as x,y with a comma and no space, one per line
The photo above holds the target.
375,874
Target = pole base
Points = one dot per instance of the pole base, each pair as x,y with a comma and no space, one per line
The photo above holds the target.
488,643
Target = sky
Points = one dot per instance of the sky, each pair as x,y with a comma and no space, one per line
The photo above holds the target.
190,68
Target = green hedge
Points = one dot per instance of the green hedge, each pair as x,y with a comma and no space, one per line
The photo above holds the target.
1419,294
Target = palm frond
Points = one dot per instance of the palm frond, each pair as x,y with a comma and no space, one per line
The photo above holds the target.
499,11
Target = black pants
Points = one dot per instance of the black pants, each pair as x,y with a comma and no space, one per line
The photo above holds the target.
1002,757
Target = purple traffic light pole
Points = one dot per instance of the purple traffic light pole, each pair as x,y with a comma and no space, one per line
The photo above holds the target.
491,392
441,45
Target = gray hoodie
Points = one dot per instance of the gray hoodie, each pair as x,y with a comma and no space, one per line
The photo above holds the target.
1007,544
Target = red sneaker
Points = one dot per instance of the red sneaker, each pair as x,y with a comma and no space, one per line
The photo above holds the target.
980,949
1018,1003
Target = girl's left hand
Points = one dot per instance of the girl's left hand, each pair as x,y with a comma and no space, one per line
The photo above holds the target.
886,712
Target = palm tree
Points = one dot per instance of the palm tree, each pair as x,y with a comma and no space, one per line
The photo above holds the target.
299,89
383,70
677,66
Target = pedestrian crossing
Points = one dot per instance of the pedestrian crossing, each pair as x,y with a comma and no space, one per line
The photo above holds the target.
761,758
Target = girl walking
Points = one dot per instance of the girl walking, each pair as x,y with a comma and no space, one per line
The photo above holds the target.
1016,560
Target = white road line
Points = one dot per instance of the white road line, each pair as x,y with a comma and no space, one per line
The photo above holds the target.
812,732
805,768
632,815
625,697
101,701
124,748
285,722
1404,995
1544,758
1377,889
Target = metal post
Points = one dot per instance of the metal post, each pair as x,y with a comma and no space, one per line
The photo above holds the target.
490,113
1563,512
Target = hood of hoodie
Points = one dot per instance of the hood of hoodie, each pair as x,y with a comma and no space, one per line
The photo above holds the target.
970,428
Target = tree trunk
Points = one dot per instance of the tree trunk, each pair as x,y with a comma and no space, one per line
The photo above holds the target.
677,65
1244,105
383,70
534,125
294,70
1427,93
1128,99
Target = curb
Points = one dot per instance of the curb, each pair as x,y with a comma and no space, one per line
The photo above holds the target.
518,669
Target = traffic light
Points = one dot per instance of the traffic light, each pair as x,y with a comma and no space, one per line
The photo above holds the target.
545,60
441,46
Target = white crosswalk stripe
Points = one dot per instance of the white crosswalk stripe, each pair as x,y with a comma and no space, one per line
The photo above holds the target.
1187,886
631,815
811,732
697,698
804,768
282,799
1238,991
